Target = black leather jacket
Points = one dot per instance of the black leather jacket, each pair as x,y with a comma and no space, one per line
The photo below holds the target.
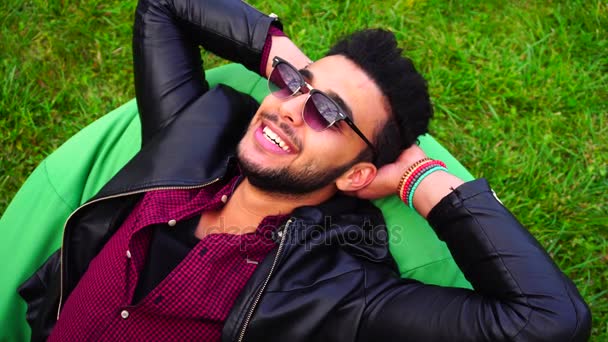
331,277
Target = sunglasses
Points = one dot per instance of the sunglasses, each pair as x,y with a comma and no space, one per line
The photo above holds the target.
320,111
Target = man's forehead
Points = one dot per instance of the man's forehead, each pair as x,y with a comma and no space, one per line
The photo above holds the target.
341,76
340,71
309,77
337,63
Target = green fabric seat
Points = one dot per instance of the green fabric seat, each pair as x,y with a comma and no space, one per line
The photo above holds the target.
32,225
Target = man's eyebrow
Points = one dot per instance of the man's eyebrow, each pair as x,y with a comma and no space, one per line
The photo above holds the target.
309,76
341,103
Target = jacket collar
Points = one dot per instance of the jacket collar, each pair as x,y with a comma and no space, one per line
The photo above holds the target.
189,151
352,223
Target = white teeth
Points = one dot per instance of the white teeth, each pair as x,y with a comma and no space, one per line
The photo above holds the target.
274,138
272,134
269,139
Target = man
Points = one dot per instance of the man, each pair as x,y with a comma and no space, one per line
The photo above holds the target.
188,242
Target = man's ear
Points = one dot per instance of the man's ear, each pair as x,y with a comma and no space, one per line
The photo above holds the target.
357,177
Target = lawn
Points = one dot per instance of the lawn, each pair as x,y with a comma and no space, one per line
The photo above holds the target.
520,90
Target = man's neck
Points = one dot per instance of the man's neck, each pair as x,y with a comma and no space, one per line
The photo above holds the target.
248,206
261,203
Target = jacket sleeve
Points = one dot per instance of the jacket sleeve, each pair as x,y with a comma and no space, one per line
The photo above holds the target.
167,65
41,293
520,294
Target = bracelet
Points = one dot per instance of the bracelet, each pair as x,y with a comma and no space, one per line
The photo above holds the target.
407,172
413,177
410,198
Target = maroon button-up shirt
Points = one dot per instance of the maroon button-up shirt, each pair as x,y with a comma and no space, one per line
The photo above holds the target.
191,303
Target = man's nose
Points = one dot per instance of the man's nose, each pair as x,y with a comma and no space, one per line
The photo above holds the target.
291,109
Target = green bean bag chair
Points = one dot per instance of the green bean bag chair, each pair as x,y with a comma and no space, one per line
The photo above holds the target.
32,225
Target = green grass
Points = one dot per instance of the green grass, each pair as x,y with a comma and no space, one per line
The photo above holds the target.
520,91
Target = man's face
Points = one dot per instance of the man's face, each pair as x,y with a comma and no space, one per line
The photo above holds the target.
308,160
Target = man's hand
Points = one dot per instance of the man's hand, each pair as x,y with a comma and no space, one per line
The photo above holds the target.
429,192
388,177
286,49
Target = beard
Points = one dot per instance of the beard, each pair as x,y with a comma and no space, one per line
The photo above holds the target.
286,181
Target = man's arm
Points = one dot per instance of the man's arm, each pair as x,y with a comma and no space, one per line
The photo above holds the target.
520,294
167,65
283,47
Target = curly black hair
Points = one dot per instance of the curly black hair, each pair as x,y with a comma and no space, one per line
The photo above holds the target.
375,51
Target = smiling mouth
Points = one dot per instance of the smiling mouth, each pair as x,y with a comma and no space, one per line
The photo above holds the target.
275,139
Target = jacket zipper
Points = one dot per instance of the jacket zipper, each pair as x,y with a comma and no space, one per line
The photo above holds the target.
259,294
105,198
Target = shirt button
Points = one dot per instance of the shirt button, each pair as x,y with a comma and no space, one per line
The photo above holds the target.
128,254
124,314
224,198
172,223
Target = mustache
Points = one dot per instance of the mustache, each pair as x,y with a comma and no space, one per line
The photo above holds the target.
287,130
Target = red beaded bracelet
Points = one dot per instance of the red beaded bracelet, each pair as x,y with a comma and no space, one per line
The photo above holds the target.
407,172
414,177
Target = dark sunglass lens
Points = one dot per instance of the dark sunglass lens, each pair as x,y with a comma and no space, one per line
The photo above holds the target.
284,81
320,112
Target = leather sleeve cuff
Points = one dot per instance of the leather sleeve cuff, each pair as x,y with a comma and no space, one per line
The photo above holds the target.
261,34
446,210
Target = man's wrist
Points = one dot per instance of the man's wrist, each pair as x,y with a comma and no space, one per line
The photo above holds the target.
283,47
433,189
